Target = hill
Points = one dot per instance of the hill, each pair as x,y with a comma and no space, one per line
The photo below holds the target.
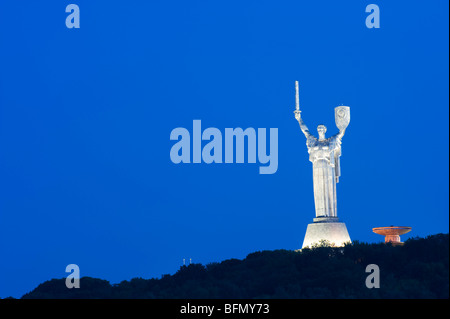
418,269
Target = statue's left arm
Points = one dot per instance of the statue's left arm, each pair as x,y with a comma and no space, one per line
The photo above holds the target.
340,134
337,153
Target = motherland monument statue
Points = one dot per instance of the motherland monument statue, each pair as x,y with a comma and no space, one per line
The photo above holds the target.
324,153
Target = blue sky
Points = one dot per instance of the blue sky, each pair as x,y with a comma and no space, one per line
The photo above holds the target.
86,115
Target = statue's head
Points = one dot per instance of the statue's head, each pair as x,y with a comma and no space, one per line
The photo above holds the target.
321,129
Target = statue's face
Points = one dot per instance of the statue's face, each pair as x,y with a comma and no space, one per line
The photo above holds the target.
321,129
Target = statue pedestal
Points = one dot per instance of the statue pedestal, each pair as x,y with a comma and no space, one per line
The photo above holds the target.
326,228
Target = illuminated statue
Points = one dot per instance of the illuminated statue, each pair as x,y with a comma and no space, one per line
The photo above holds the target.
324,153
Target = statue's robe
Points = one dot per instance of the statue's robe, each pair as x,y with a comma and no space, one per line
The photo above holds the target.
324,154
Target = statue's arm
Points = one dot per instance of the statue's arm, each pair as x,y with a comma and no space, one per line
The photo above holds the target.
340,135
303,127
337,154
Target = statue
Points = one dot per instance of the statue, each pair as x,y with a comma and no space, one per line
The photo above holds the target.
324,153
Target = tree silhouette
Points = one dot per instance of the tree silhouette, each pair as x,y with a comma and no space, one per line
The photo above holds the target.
418,269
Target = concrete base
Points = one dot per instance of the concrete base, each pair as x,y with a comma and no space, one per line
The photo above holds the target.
326,228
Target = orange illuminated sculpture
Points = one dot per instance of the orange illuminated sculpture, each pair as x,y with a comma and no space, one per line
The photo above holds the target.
392,233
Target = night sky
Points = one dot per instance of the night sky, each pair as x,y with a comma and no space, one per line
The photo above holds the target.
86,116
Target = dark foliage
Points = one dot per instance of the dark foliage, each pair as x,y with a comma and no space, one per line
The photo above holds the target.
418,269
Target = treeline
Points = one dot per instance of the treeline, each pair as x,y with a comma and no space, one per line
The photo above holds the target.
418,269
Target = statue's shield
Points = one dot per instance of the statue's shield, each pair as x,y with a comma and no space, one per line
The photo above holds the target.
342,117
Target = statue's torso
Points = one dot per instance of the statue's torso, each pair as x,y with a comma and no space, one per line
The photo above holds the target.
323,149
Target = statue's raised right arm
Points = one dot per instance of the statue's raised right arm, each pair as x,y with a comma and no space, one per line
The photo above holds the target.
302,124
